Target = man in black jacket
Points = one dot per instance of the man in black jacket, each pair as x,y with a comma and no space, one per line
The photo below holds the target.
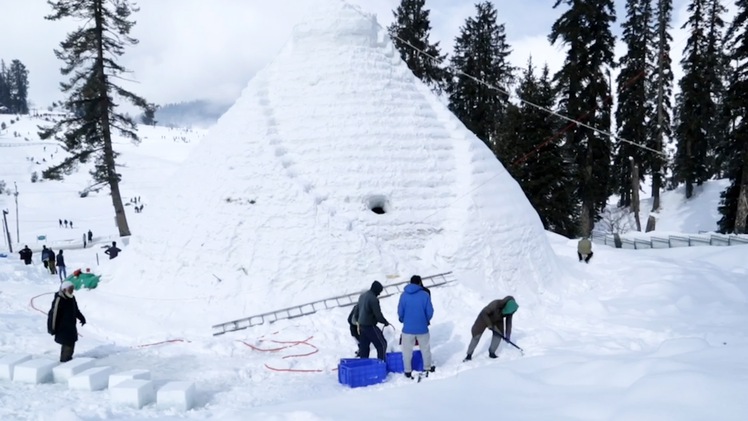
61,320
369,314
112,251
26,255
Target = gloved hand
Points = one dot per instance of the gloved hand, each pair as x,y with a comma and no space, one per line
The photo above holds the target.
51,331
83,322
386,324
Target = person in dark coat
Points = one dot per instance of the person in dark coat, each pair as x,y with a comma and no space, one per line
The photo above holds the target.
61,320
369,314
60,262
45,257
494,317
90,236
353,325
52,262
26,254
112,251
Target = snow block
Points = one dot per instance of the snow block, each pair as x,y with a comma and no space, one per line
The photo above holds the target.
7,362
133,392
180,395
136,374
93,379
34,371
64,371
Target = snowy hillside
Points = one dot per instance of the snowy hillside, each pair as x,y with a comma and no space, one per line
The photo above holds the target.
41,203
282,195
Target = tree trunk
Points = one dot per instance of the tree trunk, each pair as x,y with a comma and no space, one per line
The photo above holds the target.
742,212
111,170
635,193
689,170
657,168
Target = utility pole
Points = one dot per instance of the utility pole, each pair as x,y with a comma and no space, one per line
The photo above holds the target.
18,229
5,227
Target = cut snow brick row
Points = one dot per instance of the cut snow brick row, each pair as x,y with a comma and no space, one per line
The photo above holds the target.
179,395
93,379
64,371
7,362
134,392
34,371
137,374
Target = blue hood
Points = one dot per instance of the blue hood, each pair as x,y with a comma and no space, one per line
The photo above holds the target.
413,288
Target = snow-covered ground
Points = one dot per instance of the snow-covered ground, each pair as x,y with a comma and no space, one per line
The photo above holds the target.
634,335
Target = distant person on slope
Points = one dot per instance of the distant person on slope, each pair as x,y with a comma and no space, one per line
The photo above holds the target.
61,266
584,249
61,320
90,236
45,257
493,317
415,312
52,263
369,314
353,325
112,251
26,255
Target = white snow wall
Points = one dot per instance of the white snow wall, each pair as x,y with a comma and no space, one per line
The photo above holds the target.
273,207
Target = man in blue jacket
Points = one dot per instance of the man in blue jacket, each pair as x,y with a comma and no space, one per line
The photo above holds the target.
415,312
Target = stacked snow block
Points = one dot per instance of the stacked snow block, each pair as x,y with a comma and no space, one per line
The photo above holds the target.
136,374
133,392
361,372
34,371
178,395
8,362
65,371
395,362
93,379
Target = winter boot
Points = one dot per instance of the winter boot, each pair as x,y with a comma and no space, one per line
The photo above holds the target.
492,355
468,358
409,375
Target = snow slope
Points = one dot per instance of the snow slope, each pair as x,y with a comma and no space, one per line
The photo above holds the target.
275,202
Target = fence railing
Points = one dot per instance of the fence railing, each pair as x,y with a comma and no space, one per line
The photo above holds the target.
670,241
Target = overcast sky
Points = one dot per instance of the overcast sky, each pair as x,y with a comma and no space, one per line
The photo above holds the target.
210,49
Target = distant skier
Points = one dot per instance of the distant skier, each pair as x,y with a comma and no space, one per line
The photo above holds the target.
493,317
60,222
584,249
353,325
369,314
112,250
71,224
415,312
66,223
90,236
26,254
60,261
61,320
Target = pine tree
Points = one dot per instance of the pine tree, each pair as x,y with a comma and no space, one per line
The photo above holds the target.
661,92
4,89
530,147
412,28
89,55
481,51
634,109
586,96
17,79
734,206
698,125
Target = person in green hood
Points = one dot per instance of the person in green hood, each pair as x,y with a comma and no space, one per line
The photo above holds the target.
495,316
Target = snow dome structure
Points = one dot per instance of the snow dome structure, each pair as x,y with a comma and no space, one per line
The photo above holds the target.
335,167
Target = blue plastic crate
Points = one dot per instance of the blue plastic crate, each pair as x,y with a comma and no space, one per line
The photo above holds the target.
361,372
395,362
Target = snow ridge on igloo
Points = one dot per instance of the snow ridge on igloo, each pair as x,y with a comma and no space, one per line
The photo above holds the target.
335,167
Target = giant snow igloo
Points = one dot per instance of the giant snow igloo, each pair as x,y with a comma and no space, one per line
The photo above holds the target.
334,168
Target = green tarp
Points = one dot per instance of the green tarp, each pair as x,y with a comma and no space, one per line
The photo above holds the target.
84,280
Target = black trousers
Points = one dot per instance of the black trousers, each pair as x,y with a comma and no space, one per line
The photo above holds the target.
372,335
66,353
586,259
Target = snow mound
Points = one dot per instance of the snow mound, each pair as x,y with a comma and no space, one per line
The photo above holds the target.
334,168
